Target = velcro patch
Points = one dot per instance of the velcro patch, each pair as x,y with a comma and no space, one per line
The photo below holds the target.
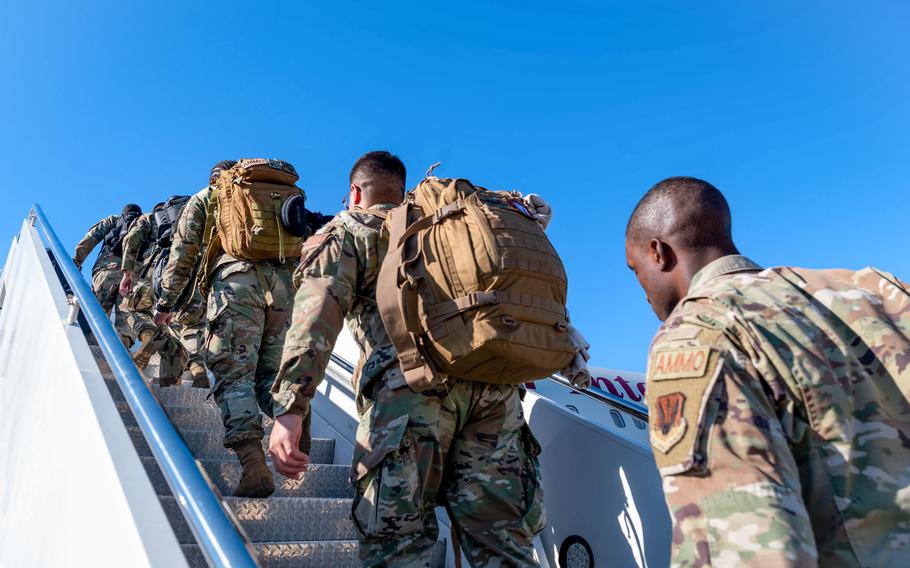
682,363
669,425
312,246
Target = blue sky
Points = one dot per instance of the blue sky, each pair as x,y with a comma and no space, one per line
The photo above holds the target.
797,111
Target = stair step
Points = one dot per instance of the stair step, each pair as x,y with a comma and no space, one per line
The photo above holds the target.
203,417
312,554
320,480
279,519
207,446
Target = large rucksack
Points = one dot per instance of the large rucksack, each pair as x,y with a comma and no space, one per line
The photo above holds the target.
472,288
247,204
113,240
166,217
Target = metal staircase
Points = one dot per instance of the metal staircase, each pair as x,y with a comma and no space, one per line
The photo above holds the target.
305,523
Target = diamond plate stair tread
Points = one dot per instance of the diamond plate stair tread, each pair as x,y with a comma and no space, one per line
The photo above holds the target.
207,446
312,554
203,417
321,480
279,519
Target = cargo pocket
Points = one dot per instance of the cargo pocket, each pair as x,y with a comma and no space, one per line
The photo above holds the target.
220,331
534,519
388,497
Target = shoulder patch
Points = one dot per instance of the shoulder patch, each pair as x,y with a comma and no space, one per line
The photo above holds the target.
679,363
680,383
313,245
669,423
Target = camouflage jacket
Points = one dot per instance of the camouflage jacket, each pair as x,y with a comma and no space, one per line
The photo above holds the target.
336,281
138,244
780,418
91,239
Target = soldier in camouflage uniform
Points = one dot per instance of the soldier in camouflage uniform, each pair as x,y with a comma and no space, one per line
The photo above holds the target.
106,272
778,397
245,333
140,253
465,445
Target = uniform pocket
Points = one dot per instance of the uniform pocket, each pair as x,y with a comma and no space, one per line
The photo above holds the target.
534,519
388,500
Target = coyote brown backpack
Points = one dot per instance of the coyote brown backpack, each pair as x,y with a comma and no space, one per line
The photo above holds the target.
472,288
247,208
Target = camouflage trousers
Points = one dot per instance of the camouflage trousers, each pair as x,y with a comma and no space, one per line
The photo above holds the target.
106,286
244,342
467,448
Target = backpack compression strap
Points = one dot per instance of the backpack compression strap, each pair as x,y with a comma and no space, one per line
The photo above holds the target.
396,291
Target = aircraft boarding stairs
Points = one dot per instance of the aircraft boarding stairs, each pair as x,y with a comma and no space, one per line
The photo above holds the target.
98,467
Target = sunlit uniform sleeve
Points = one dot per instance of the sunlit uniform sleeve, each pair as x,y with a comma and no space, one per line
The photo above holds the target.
139,234
327,284
185,248
91,239
730,480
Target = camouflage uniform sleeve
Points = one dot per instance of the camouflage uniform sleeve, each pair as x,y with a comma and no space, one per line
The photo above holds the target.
94,236
327,284
138,234
185,245
731,482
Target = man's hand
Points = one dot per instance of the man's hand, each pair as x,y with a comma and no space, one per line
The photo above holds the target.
577,372
284,446
541,210
78,265
126,285
162,318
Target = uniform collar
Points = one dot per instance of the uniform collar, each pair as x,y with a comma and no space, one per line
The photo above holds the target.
723,265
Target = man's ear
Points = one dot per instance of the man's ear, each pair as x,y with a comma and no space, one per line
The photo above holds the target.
357,194
661,254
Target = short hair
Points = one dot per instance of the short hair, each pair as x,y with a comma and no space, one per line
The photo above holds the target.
688,209
380,166
221,166
131,208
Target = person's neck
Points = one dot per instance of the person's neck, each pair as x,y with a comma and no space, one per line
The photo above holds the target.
695,261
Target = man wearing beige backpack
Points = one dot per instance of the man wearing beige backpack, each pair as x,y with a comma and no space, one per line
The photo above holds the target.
461,443
248,283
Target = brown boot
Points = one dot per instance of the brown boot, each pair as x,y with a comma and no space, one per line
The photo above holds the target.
200,375
146,349
257,478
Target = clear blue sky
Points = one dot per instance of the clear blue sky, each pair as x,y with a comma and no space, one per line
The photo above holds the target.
798,111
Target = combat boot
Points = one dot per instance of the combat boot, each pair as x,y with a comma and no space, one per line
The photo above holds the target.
200,375
146,349
256,480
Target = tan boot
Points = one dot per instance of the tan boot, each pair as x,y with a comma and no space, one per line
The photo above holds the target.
200,375
256,480
146,349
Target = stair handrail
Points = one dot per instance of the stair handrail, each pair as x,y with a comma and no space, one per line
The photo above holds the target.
592,392
218,538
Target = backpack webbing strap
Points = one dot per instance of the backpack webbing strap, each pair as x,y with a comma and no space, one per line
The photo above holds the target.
425,222
266,290
402,322
276,204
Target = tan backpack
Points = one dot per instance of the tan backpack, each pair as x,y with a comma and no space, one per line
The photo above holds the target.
472,288
247,210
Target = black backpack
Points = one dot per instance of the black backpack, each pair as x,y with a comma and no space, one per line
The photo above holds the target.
113,240
167,216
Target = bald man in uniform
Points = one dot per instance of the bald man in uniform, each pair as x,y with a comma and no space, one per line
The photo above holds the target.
778,398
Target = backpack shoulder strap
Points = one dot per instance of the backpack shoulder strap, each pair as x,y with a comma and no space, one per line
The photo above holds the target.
396,294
